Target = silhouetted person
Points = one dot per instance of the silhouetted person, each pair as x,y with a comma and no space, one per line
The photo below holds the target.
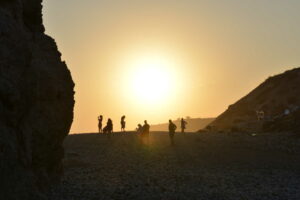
146,128
172,128
139,129
146,131
183,125
100,118
123,123
109,127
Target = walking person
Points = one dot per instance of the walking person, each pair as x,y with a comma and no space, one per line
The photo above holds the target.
183,125
100,118
123,123
172,128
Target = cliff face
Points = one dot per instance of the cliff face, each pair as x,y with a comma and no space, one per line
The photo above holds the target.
278,97
36,102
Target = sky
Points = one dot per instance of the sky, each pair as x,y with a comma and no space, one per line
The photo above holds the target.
165,59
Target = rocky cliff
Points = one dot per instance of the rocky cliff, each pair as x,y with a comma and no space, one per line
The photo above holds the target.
36,102
278,99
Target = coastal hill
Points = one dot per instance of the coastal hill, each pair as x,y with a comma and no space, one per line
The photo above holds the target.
277,98
193,124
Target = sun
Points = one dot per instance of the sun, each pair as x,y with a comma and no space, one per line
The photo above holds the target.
152,80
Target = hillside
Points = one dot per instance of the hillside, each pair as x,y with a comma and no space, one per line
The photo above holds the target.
194,124
278,98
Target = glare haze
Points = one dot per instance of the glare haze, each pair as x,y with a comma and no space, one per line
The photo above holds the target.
205,55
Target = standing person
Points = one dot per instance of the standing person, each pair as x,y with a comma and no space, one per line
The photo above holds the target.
146,132
183,125
123,123
100,118
172,128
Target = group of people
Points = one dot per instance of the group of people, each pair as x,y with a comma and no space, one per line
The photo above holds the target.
109,125
143,131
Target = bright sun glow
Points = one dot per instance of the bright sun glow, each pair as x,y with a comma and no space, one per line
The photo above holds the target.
152,80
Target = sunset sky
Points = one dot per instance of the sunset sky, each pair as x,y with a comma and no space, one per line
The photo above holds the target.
164,59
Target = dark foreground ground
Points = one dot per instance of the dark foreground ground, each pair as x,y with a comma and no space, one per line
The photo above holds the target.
199,166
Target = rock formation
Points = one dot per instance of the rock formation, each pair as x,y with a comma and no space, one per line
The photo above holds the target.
277,99
36,102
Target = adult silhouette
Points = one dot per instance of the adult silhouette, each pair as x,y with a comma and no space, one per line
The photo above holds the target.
109,127
123,123
183,125
100,119
146,128
146,132
172,128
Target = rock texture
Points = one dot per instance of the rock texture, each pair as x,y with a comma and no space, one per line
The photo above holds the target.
36,102
278,97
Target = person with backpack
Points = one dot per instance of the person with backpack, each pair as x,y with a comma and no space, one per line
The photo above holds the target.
172,129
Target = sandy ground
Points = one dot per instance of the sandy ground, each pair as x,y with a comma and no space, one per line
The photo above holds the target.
198,166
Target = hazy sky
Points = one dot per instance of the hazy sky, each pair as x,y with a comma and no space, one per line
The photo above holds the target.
211,54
